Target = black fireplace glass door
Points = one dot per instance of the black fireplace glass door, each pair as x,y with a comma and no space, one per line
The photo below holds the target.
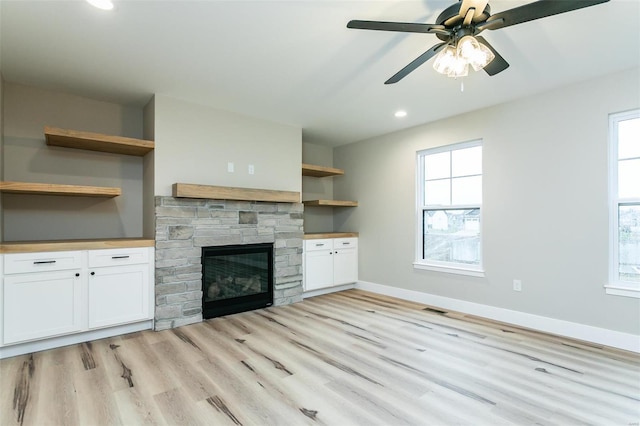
237,275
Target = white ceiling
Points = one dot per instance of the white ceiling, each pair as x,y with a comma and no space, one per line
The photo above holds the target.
295,62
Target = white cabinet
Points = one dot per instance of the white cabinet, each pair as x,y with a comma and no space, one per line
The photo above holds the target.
44,295
330,262
118,293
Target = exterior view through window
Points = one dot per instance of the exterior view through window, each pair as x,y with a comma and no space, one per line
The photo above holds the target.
625,199
449,202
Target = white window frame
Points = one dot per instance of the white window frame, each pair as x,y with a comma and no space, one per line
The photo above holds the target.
615,286
439,266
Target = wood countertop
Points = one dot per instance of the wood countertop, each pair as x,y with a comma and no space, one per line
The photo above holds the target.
66,245
320,235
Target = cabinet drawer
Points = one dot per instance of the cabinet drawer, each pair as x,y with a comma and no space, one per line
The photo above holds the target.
117,257
320,244
19,263
345,243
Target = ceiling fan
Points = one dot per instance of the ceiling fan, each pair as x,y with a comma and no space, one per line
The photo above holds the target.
459,26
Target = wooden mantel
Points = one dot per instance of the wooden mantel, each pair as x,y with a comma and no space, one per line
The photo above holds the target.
190,190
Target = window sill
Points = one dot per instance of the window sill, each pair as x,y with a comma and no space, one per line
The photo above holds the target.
449,269
622,290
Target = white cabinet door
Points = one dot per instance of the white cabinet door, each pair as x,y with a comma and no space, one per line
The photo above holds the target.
318,269
118,295
345,266
41,305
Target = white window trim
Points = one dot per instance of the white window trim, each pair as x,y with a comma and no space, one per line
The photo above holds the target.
450,268
614,286
446,267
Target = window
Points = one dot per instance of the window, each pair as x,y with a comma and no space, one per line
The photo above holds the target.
448,215
624,195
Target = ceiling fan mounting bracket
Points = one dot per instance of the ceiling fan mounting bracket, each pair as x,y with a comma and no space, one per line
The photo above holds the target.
450,17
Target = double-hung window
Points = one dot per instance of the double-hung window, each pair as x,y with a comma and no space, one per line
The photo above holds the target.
449,202
624,209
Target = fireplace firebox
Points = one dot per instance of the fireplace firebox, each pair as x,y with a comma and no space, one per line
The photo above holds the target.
236,278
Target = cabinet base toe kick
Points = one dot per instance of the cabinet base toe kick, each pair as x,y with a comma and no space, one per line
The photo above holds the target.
72,339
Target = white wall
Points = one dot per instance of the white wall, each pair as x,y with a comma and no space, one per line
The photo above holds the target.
28,159
545,205
194,143
317,219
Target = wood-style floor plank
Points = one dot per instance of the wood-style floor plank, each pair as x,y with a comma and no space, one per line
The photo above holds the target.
348,358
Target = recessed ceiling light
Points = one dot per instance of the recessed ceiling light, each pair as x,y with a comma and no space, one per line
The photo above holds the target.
101,4
401,114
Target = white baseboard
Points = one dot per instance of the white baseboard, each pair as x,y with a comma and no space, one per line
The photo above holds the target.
601,336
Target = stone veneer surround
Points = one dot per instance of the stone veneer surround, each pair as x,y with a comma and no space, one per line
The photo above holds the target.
185,225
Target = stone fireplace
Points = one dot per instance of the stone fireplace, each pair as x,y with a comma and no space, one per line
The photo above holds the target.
185,225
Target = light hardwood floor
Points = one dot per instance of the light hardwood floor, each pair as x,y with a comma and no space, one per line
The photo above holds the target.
349,358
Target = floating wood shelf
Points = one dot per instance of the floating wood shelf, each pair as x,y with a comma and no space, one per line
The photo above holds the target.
331,203
66,245
188,190
55,189
320,171
97,142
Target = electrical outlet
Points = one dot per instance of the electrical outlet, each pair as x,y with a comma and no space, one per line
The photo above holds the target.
517,285
251,169
230,167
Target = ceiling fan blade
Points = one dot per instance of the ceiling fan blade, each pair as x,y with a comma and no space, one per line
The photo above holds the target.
415,63
535,10
498,64
407,27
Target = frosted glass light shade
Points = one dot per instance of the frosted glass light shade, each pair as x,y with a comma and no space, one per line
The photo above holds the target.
482,57
444,60
476,54
467,47
459,69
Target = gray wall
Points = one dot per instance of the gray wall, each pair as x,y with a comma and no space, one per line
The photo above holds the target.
27,158
1,153
194,143
148,179
317,219
545,205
